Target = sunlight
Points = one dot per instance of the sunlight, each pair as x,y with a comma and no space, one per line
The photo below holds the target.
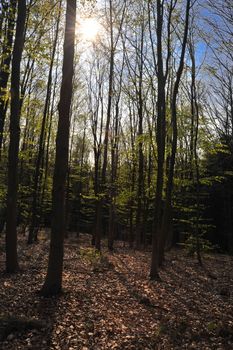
89,29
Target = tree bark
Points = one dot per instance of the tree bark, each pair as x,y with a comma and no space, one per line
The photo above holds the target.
169,188
5,65
13,153
53,280
140,146
160,139
196,172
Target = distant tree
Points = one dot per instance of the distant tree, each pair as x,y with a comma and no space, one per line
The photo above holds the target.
41,147
114,39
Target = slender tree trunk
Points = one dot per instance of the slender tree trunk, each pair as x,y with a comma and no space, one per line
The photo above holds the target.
80,185
132,179
68,187
26,128
196,172
140,184
11,220
96,230
147,198
38,170
106,138
114,153
160,139
109,108
114,166
169,188
140,147
53,281
5,65
50,121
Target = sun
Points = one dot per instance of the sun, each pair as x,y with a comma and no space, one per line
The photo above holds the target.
89,29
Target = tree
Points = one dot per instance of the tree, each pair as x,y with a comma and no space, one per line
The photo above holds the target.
53,280
160,139
162,217
171,166
6,55
37,176
195,161
113,47
11,220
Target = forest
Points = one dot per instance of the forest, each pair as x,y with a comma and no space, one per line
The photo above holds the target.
116,174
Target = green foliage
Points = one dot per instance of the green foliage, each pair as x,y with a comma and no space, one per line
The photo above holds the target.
90,255
205,245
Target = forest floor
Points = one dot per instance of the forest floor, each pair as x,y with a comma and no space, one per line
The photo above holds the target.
109,303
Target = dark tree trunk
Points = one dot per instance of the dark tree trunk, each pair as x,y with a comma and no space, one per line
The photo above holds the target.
38,170
5,65
160,139
114,154
53,281
68,185
196,172
132,179
140,147
11,220
114,166
97,155
147,198
106,138
169,188
80,185
52,108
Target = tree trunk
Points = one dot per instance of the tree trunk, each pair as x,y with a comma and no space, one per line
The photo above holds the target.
140,147
169,188
5,65
160,139
13,153
38,176
106,137
196,173
53,281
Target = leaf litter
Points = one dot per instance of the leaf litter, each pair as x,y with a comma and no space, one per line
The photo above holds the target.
109,302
